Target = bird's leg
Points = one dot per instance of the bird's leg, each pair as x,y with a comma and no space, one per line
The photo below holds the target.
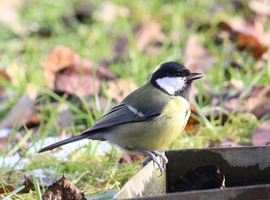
146,161
153,156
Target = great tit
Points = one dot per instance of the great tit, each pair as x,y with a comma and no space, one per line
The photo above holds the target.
149,118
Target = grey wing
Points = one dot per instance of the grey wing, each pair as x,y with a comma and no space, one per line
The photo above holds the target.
122,114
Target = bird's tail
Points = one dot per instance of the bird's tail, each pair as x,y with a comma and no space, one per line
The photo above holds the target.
58,144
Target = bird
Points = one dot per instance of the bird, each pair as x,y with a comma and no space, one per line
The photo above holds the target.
149,118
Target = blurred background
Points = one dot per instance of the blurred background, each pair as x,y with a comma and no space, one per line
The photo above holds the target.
65,63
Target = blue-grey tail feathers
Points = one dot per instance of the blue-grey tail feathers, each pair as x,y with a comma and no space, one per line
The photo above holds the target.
69,140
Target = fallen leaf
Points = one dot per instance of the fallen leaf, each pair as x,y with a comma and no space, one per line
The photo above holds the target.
252,43
59,58
29,185
4,78
250,35
23,109
255,90
192,124
67,71
63,189
6,189
260,6
259,105
261,136
236,84
255,102
34,120
148,32
109,12
81,78
9,15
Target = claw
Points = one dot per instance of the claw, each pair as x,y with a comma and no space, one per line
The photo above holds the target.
162,155
153,155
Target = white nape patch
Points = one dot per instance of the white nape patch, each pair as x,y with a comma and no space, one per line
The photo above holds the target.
134,110
172,84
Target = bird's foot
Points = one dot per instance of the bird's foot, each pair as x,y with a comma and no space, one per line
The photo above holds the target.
162,155
153,156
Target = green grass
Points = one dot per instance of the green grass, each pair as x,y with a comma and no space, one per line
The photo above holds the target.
21,57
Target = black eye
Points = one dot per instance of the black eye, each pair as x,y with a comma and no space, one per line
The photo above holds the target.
179,73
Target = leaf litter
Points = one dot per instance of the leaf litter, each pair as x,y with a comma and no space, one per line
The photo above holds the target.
66,71
63,189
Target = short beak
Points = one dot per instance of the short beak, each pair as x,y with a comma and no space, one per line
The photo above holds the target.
194,76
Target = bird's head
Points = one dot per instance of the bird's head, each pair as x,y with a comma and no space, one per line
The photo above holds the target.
174,79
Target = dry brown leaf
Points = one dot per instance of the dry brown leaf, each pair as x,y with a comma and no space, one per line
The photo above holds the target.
255,104
120,47
250,35
110,11
66,71
4,77
120,88
260,6
255,90
259,105
252,43
6,189
80,78
192,124
9,15
33,121
148,32
29,185
236,84
59,58
63,189
261,136
23,109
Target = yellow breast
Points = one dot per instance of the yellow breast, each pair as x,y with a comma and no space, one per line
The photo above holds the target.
175,117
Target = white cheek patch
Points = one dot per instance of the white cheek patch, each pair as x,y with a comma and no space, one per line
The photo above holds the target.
172,84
